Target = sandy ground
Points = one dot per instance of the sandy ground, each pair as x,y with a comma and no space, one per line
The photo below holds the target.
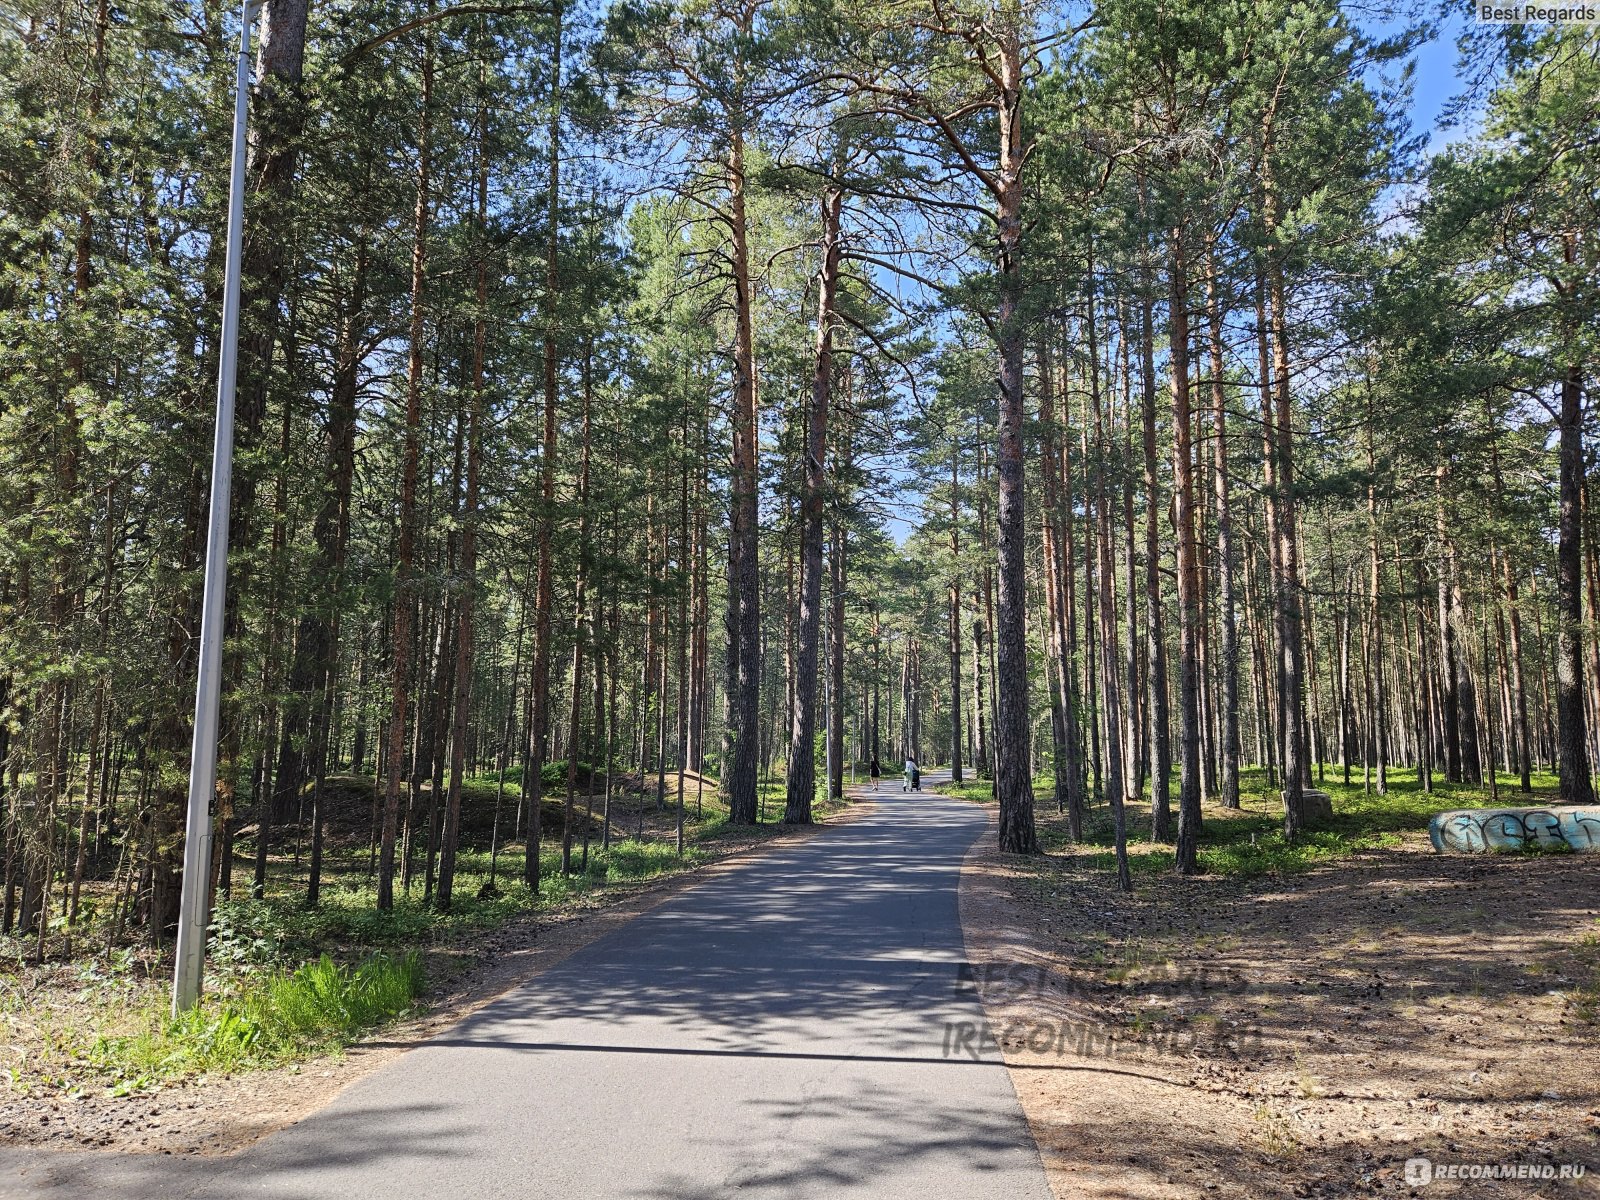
220,1114
1297,1036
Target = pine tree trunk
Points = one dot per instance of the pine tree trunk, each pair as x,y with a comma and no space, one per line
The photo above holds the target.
1064,720
685,575
1518,687
745,602
802,765
695,757
1013,779
1375,617
836,643
544,599
1450,653
1105,571
404,587
1189,630
581,632
1138,718
276,122
1091,632
1572,743
1279,428
1229,665
465,629
953,613
1155,631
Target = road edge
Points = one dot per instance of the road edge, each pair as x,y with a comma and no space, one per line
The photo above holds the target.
218,1117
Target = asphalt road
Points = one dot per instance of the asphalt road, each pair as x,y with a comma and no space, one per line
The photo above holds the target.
778,1031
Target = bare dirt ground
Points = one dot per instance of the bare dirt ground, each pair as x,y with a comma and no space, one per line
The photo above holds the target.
1299,1035
221,1114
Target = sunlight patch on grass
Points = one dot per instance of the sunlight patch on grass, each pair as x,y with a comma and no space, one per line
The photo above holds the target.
1248,842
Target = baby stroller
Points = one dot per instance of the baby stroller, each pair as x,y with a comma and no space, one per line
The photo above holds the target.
912,782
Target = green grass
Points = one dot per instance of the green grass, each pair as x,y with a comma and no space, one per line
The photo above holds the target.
1249,842
281,928
284,982
982,790
271,1018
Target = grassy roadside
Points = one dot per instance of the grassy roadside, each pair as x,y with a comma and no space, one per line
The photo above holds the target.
286,983
1248,842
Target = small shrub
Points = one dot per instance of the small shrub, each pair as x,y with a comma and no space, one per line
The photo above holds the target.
554,774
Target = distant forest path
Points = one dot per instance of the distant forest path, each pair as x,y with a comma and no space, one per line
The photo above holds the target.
776,1031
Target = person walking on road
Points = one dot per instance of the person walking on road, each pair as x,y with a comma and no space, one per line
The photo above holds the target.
913,776
874,770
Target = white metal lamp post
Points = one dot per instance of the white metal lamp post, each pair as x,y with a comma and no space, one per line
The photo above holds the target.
192,915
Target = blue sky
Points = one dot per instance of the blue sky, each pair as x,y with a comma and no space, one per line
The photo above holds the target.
1437,80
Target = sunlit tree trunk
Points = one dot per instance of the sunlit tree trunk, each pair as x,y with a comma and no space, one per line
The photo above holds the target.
1189,630
1229,666
404,597
802,765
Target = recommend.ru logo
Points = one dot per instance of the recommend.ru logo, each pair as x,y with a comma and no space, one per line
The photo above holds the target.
1422,1171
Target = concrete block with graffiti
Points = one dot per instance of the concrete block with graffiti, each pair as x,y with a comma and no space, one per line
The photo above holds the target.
1481,829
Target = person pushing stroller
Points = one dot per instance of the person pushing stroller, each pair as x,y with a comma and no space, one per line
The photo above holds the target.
913,780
